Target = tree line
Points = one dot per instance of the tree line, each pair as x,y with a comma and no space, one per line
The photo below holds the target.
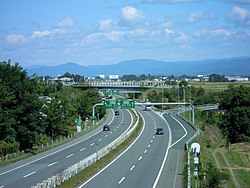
26,120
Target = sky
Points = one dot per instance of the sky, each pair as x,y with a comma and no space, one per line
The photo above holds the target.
102,32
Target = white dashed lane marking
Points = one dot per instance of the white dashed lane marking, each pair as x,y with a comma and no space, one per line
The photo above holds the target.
29,174
51,164
121,180
82,149
70,155
132,167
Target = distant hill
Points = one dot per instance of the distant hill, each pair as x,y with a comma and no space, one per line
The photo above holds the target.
230,66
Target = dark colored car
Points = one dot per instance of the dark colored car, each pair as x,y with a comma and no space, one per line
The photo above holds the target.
106,128
117,113
159,131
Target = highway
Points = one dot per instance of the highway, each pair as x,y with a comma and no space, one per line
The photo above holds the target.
151,160
33,170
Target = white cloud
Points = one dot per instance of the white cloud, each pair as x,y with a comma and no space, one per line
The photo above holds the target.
239,13
130,13
67,22
40,34
195,16
220,32
240,16
106,24
169,32
12,39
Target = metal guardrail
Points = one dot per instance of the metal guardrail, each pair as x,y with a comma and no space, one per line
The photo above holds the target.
71,171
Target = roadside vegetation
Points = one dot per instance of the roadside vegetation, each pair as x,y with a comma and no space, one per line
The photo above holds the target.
225,141
34,112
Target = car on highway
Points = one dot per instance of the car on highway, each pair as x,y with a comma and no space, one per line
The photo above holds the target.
106,128
159,131
117,113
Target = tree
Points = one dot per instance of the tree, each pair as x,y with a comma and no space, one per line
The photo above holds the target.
236,121
217,78
19,106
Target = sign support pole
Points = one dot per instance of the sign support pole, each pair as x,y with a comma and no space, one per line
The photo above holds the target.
93,112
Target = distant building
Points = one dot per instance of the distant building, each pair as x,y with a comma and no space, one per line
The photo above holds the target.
236,78
113,77
101,76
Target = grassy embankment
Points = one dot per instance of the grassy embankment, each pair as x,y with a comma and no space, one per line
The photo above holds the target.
233,160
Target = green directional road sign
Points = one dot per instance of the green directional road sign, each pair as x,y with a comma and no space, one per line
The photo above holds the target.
107,92
115,92
93,117
110,104
120,99
127,104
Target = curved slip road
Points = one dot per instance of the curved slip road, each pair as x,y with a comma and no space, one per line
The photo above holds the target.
35,169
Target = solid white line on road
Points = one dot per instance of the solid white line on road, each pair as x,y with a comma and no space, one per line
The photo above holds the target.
149,146
140,158
121,180
29,174
145,151
51,164
132,167
184,130
70,155
92,144
106,136
82,149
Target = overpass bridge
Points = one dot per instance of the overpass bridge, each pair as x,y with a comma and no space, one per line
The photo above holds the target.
128,85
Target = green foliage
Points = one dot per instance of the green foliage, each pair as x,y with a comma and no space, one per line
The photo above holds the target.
217,78
26,121
213,176
236,121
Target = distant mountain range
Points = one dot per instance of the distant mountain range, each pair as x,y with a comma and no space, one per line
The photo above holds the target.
229,66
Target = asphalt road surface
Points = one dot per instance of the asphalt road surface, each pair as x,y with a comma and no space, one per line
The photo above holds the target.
151,160
35,169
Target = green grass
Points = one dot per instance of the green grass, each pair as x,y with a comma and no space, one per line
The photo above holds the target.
234,159
229,183
220,159
94,168
208,85
243,177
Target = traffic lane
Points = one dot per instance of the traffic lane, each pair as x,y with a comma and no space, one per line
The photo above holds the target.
52,151
65,158
173,167
135,160
177,130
